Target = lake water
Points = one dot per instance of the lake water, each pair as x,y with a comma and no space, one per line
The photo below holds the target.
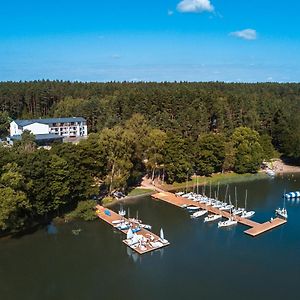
202,262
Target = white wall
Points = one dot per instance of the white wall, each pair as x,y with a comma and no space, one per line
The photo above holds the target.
37,128
13,129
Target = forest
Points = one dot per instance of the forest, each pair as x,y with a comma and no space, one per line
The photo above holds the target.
167,130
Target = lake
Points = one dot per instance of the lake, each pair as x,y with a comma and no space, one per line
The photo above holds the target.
202,262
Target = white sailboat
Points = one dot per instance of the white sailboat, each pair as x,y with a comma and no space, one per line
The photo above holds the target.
198,214
162,237
129,235
227,223
122,212
211,218
237,211
192,208
247,214
282,212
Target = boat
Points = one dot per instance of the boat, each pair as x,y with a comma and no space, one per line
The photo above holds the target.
247,214
122,226
162,237
184,206
198,214
122,212
146,226
226,207
237,211
179,193
192,208
117,221
227,223
270,172
292,195
129,234
282,212
136,229
211,218
218,204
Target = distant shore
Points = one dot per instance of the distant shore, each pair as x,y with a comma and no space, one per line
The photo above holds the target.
280,167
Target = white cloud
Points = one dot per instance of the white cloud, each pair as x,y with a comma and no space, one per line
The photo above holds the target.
246,34
195,6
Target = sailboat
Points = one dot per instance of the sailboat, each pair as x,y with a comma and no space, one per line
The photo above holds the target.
247,214
122,212
282,212
198,214
211,218
162,237
236,211
231,221
227,206
227,223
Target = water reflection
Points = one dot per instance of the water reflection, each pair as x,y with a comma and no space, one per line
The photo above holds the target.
51,229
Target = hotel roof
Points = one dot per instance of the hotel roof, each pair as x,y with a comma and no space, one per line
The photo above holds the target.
22,123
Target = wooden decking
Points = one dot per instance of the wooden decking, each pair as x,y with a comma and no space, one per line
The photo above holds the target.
261,228
100,211
256,228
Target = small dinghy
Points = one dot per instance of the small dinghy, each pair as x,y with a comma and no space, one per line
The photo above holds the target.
198,214
211,218
227,223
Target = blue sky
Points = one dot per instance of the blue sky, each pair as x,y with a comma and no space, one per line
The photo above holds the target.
158,40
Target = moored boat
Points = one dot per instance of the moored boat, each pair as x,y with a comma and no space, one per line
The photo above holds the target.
282,213
227,223
211,218
198,214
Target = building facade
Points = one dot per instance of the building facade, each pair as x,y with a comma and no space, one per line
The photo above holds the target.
54,127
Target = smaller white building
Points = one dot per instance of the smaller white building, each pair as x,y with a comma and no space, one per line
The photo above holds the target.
64,127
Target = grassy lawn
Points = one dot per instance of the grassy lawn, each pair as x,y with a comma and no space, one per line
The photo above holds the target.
139,191
218,178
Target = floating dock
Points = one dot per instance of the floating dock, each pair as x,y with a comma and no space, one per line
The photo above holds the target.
255,230
109,216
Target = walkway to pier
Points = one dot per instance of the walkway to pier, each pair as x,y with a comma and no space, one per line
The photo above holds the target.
256,228
109,216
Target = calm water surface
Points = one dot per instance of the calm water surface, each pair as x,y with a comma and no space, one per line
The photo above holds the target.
202,262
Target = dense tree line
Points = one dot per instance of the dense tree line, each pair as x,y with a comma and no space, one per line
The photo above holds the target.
187,109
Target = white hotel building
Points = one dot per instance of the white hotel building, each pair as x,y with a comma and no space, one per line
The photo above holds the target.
50,129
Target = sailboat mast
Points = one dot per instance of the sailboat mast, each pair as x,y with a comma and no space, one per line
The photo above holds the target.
218,190
226,193
210,189
235,197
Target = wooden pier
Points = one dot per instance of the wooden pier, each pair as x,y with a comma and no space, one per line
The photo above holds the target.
109,216
256,228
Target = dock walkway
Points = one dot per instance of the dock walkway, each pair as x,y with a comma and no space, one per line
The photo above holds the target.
149,236
256,228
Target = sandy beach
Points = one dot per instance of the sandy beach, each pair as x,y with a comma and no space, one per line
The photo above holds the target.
279,166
